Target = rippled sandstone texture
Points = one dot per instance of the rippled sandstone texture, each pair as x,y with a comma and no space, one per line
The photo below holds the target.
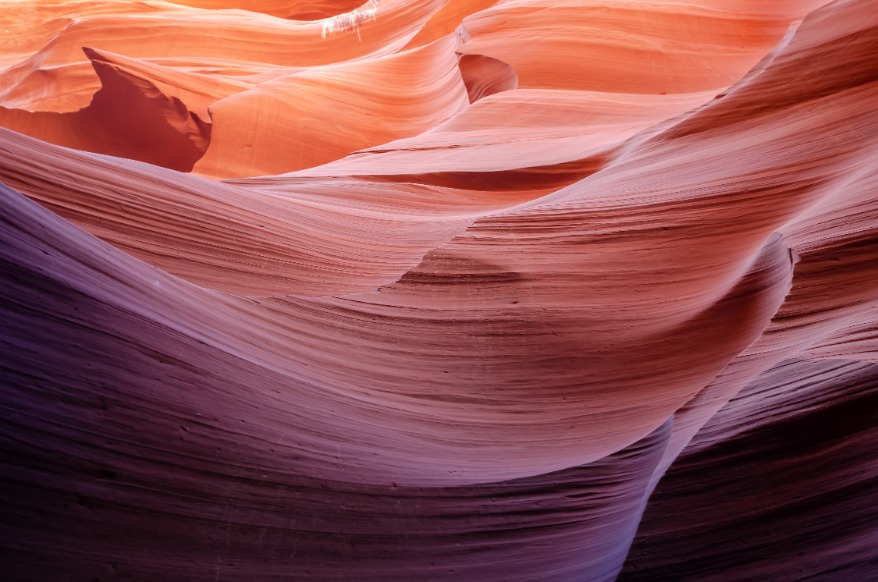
440,290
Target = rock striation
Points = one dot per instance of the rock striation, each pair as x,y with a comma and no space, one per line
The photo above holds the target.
441,290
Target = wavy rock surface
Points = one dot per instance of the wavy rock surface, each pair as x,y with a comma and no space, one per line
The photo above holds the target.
456,290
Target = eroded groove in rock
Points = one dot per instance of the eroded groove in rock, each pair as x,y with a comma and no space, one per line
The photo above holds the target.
439,290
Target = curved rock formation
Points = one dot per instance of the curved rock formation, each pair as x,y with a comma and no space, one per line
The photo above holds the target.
459,290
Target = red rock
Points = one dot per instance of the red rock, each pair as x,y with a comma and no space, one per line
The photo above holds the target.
436,290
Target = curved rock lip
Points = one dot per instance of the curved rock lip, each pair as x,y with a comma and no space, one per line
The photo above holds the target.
439,290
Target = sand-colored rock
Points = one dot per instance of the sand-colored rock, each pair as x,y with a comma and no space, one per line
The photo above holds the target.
325,113
434,290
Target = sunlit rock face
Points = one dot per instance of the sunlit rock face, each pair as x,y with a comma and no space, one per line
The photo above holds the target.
439,290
